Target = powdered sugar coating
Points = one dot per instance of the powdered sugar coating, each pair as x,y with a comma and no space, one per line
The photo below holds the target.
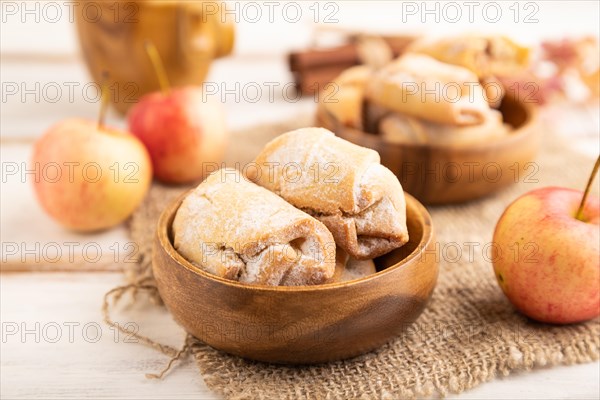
235,229
362,203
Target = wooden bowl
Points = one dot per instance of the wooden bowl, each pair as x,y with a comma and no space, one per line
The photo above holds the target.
441,174
304,324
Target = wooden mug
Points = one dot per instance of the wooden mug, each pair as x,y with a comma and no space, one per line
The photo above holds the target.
188,36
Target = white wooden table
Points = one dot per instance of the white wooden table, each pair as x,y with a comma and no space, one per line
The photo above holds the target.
54,343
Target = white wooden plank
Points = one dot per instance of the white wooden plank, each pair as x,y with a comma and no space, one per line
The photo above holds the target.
109,369
81,368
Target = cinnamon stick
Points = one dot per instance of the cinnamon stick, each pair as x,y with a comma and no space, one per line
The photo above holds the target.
314,68
345,54
314,58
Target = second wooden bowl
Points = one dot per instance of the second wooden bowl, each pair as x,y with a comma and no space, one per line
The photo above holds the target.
441,174
300,325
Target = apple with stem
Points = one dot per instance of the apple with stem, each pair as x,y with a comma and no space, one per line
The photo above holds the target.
184,131
547,259
89,176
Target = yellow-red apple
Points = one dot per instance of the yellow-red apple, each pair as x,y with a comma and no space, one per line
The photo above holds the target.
89,177
548,261
182,131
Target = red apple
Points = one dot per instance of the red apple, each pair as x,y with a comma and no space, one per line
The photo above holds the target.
89,177
182,131
548,261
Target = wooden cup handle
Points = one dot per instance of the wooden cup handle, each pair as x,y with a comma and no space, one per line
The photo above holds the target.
202,37
224,34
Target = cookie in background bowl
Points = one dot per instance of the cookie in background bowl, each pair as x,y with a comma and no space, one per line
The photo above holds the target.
436,125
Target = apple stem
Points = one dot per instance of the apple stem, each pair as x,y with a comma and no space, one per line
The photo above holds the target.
103,100
158,65
579,214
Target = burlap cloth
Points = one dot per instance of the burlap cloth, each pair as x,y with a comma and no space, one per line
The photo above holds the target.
468,334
